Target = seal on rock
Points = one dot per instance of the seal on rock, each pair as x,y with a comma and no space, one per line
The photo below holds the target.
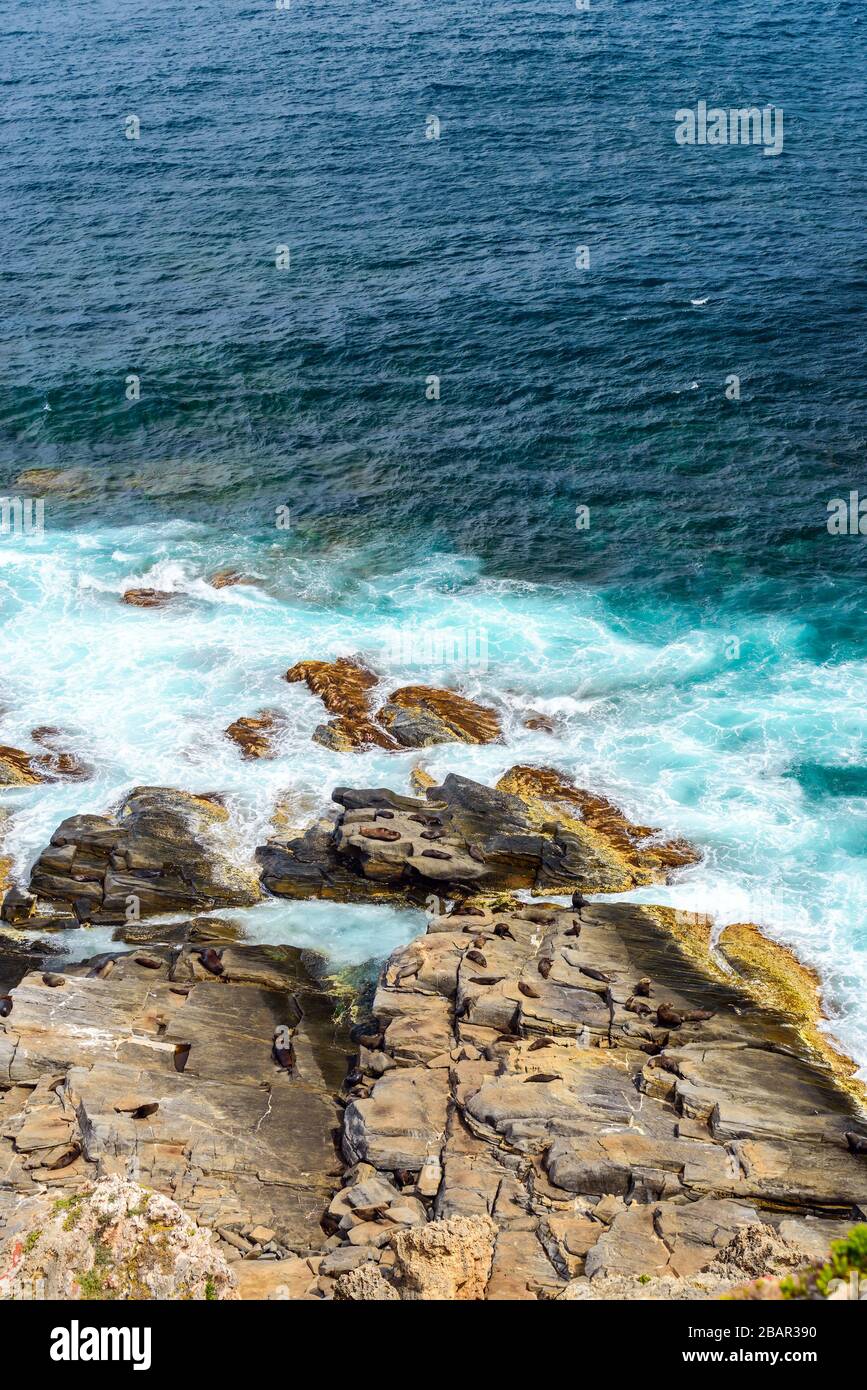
211,960
668,1017
284,1052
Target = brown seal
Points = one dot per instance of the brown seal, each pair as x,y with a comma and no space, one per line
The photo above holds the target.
668,1017
284,1052
211,960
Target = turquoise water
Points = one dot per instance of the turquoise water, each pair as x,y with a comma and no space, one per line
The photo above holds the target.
700,648
659,715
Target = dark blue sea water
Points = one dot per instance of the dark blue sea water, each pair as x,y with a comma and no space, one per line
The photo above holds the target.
701,647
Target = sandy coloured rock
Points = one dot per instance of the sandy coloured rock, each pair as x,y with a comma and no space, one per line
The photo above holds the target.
116,1240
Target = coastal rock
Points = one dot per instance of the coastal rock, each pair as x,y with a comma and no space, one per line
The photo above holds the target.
401,1124
18,906
19,955
445,1260
415,716
165,1071
255,735
778,980
164,850
21,769
419,716
195,931
539,722
628,854
365,1284
149,598
223,579
342,686
606,1153
116,1241
17,768
457,838
759,1249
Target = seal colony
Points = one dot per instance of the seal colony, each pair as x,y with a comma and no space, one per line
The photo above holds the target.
542,1099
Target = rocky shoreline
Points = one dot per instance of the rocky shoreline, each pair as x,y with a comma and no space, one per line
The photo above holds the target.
538,1102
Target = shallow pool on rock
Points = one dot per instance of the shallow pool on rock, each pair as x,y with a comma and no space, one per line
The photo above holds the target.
348,934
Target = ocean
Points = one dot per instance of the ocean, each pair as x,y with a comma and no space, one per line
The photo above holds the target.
420,315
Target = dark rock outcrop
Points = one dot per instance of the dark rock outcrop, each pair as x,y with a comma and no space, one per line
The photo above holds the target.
459,837
162,849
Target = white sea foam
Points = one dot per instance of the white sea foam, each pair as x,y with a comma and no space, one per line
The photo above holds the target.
671,728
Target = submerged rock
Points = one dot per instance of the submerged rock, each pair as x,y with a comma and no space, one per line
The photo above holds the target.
162,851
18,768
223,579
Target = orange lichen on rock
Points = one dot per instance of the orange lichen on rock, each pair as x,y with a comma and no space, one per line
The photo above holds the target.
774,976
462,719
253,734
20,769
148,598
415,716
342,686
555,793
17,768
